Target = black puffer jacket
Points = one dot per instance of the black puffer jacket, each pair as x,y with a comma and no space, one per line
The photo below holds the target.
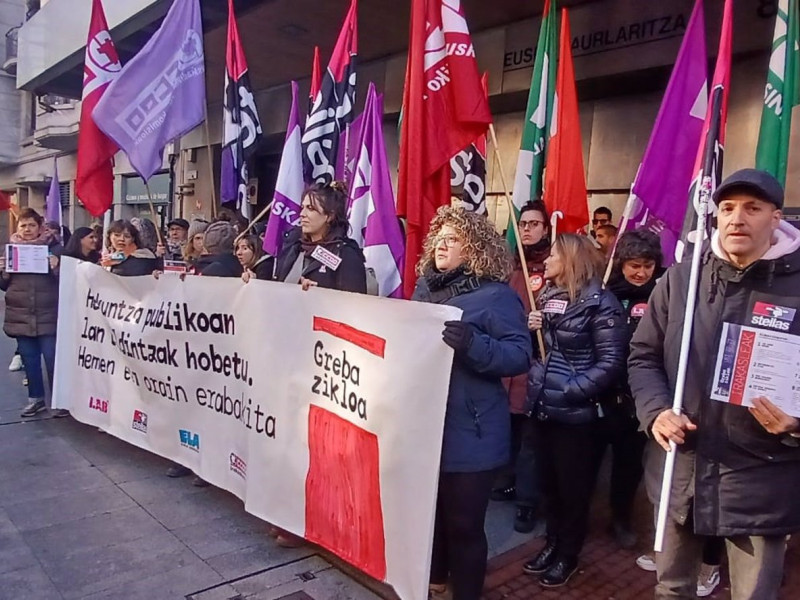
586,342
349,276
31,302
219,265
141,262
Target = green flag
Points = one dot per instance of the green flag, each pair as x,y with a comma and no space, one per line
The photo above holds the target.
538,116
780,93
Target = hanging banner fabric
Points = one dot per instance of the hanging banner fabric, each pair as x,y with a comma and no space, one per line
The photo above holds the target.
322,410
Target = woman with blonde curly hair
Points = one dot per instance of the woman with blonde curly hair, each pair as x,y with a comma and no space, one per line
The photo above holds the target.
466,264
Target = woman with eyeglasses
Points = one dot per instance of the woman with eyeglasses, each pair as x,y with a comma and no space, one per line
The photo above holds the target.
466,264
586,339
319,252
127,258
518,480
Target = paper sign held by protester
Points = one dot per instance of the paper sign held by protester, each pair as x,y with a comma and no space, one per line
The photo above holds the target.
276,395
754,362
24,258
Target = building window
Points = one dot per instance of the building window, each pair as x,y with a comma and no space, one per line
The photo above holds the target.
64,191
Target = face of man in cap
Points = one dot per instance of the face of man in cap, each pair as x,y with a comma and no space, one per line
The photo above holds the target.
746,226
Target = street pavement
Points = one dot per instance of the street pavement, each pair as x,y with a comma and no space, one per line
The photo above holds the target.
84,515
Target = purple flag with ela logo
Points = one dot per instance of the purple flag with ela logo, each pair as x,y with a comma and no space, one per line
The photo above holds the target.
371,212
289,185
161,93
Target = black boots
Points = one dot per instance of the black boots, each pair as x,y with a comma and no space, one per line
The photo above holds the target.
559,573
543,560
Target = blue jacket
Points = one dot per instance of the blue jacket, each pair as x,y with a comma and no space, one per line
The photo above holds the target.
477,430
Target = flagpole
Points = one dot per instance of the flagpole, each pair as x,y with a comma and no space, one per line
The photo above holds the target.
683,360
253,222
153,212
554,226
210,165
626,217
515,226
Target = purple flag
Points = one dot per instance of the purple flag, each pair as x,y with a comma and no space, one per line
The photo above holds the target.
659,191
289,185
161,93
52,210
371,212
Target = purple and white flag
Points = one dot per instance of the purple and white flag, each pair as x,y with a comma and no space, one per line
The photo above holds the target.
371,211
659,192
52,211
161,93
289,186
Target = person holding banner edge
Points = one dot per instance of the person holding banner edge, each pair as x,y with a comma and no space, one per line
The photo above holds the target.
32,311
734,464
466,264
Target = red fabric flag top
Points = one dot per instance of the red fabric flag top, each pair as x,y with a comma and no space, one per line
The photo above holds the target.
5,201
564,177
316,79
444,110
95,180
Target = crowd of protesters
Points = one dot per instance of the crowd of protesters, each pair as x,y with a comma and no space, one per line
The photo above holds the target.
522,425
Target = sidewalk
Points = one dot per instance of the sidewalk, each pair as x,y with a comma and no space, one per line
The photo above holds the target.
607,572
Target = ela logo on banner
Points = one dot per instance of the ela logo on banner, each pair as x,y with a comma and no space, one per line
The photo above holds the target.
772,316
190,440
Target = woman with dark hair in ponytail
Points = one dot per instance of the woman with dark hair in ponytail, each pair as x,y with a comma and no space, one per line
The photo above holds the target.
319,252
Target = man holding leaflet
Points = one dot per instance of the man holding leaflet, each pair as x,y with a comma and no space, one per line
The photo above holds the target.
737,466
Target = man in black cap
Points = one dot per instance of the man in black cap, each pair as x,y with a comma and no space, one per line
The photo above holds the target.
737,466
177,233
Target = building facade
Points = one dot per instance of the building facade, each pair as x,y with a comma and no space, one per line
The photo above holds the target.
623,50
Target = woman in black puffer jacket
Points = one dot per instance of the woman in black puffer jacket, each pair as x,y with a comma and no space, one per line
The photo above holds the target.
586,339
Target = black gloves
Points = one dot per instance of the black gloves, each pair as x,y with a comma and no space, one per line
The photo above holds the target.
457,335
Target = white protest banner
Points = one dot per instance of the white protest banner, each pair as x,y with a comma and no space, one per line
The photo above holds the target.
323,411
27,258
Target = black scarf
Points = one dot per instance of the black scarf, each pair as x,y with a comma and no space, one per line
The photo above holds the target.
625,290
438,280
537,252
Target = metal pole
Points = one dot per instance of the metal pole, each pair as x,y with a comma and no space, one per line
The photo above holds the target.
683,360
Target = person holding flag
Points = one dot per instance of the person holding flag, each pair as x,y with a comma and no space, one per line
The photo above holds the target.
734,463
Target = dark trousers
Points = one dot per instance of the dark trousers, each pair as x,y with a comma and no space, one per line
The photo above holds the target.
32,350
621,432
459,541
566,455
521,472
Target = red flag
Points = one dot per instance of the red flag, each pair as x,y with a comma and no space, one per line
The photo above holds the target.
564,177
444,110
95,180
316,79
5,201
708,163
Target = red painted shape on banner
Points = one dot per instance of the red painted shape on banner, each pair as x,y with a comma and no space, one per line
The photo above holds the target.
343,494
742,366
369,342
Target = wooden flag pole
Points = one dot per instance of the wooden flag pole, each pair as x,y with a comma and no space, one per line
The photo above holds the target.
153,212
520,250
251,223
210,166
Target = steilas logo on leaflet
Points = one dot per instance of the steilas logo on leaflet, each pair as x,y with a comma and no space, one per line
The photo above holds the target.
772,316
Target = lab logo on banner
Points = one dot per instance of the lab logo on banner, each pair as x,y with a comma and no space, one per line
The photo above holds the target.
238,466
98,404
139,421
190,440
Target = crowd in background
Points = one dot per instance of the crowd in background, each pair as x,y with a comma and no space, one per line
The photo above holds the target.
520,426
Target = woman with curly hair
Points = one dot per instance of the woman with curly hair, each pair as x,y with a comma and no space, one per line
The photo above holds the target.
587,342
466,264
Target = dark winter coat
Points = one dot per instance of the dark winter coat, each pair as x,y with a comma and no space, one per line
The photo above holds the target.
219,265
586,342
477,422
31,302
535,256
265,268
737,478
349,276
141,262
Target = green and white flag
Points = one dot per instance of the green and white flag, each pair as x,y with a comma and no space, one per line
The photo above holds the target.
780,93
538,116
